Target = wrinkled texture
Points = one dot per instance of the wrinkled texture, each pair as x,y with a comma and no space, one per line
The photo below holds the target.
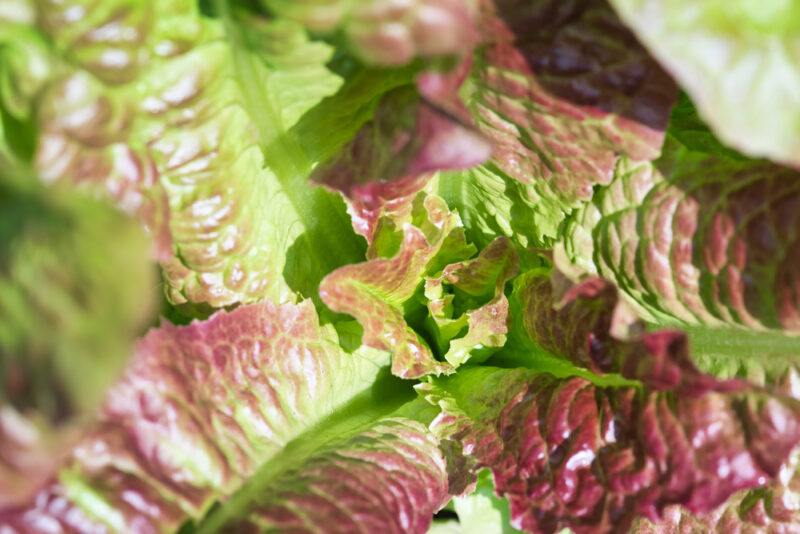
588,325
463,140
374,291
737,60
478,287
156,112
698,238
199,410
567,453
562,103
352,486
774,509
387,32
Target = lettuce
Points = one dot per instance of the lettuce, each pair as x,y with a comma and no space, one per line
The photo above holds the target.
737,60
425,266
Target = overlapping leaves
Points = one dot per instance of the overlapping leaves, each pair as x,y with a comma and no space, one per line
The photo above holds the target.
205,408
698,237
571,453
208,126
737,60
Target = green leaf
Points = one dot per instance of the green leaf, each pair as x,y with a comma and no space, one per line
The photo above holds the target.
471,322
482,512
688,128
374,292
188,129
738,62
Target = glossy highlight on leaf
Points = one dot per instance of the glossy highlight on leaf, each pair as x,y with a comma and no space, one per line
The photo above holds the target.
429,266
199,410
173,130
570,454
697,238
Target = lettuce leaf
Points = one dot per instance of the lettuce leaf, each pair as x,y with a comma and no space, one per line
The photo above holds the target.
169,111
258,407
375,291
738,62
568,453
478,286
436,250
771,509
386,32
561,103
412,133
76,289
696,238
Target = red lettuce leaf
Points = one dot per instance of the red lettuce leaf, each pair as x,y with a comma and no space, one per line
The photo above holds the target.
589,326
411,135
567,453
389,477
563,90
203,409
697,238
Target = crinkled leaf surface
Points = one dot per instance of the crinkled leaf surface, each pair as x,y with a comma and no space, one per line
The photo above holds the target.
563,90
240,408
738,61
568,453
422,259
374,291
169,112
698,238
352,486
589,327
775,508
692,439
471,322
409,136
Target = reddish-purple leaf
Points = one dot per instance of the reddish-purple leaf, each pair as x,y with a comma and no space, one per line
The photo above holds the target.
203,407
563,89
410,136
567,453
